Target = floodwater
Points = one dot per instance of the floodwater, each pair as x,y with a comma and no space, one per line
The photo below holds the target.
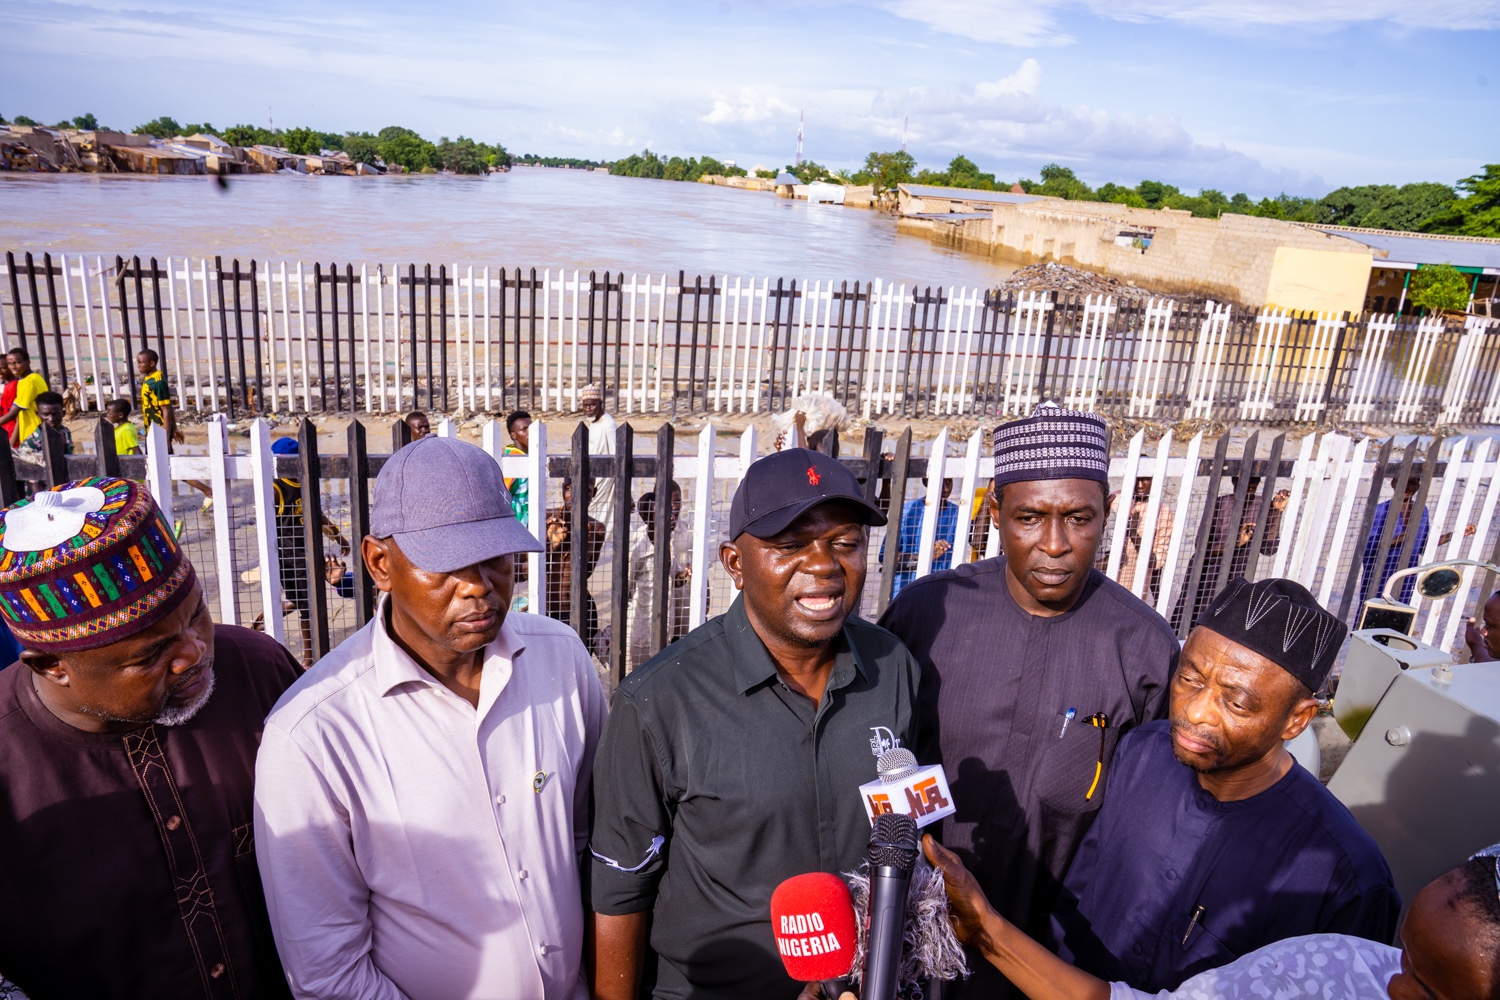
529,217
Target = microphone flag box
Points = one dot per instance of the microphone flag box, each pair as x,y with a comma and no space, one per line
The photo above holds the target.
923,795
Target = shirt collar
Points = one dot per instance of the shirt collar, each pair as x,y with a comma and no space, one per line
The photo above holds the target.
752,662
393,667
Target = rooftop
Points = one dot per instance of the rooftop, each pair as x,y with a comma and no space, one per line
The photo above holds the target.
968,194
1423,248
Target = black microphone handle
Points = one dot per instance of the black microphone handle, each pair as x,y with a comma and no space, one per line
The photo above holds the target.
888,890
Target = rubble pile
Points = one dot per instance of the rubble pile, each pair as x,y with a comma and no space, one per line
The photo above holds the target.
1052,277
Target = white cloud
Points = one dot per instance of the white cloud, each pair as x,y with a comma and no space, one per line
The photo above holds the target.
1037,22
1008,124
749,107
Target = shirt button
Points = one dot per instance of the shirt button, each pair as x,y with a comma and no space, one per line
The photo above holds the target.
543,950
1171,875
1137,948
521,874
499,800
217,970
173,822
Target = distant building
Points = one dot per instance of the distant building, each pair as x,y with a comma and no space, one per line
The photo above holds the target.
1234,258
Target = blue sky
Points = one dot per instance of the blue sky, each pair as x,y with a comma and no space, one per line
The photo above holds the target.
1254,95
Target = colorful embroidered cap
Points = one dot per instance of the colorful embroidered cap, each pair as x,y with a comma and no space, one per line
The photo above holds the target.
591,391
87,564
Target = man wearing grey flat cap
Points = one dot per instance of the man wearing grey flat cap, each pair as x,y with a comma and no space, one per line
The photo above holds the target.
422,792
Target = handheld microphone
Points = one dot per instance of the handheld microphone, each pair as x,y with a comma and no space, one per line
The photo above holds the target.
902,786
892,856
812,917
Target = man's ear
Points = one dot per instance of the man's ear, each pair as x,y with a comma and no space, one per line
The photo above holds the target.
47,665
377,555
729,555
1300,718
992,500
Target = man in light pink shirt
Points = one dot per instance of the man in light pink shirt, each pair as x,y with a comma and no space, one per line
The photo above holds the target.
421,796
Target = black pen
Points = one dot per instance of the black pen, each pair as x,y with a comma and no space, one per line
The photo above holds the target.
1191,924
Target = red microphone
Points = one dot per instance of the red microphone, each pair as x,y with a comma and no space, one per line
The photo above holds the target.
812,917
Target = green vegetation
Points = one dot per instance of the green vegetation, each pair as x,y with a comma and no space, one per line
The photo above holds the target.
23,120
1475,214
533,160
649,164
1443,288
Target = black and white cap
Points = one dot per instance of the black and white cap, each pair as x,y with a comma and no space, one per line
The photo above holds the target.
1282,621
1052,443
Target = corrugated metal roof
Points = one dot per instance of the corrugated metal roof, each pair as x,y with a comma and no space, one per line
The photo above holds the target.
1406,248
968,194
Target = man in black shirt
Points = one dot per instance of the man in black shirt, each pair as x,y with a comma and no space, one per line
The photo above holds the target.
732,759
1033,666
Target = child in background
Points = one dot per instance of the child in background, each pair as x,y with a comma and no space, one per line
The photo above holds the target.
127,439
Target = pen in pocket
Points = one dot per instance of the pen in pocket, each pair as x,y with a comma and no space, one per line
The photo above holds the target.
1102,721
1067,718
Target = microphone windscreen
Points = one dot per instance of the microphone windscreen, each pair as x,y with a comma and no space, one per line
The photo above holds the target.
812,917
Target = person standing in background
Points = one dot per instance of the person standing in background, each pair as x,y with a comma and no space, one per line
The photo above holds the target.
643,576
157,408
127,440
601,442
21,417
418,424
909,540
49,410
1161,542
518,426
7,395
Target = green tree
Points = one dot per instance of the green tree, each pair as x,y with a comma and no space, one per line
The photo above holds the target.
1061,182
768,175
362,147
886,170
302,141
162,128
964,173
86,122
25,120
1120,195
462,156
642,164
248,135
196,128
403,147
1475,214
1155,193
1439,289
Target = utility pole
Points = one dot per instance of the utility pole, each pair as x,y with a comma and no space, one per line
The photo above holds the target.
801,117
270,119
904,122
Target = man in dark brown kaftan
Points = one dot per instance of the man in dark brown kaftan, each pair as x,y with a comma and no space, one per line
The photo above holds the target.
128,733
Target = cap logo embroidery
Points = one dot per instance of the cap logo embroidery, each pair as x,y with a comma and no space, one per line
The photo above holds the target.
812,476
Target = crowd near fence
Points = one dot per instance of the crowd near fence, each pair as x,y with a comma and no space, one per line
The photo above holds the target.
1179,525
256,337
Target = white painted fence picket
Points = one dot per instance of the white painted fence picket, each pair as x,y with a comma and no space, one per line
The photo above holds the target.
753,333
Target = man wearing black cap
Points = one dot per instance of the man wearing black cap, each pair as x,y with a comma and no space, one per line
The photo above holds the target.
731,759
1213,841
1033,666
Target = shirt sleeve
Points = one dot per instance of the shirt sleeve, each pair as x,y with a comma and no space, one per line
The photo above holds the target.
28,389
317,897
1372,915
595,713
632,825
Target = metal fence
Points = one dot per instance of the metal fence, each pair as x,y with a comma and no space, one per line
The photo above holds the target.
257,337
1184,520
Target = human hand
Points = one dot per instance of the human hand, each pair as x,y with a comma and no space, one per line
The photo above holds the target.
1282,498
967,907
940,548
799,420
334,570
1469,531
177,437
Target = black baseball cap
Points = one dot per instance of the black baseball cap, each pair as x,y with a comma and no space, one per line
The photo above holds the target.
782,487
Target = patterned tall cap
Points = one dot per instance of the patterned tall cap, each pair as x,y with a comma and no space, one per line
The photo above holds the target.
88,564
1281,621
591,391
1052,443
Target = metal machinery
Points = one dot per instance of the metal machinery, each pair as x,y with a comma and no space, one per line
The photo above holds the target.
1423,775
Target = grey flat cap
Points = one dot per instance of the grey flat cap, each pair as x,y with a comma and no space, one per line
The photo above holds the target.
446,504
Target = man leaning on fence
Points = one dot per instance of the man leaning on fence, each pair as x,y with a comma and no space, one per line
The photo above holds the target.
422,792
128,735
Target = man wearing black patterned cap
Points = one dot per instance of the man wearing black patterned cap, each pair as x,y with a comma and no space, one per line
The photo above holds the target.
1213,841
1034,664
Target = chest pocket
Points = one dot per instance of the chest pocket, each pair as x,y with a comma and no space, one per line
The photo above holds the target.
1070,777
